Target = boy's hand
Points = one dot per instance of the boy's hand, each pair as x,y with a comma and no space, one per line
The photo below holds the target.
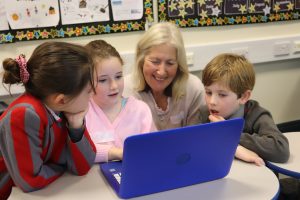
215,118
248,156
75,120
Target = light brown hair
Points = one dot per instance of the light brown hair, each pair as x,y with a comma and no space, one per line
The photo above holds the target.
234,71
100,49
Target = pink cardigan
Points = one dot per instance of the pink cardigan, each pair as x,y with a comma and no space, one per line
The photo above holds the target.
134,118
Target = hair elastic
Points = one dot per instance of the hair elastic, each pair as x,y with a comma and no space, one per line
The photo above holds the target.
24,75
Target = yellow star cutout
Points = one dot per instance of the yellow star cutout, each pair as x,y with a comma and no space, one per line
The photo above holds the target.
172,6
201,2
290,6
203,14
252,8
181,4
182,13
218,2
190,4
238,19
243,8
220,21
271,17
276,7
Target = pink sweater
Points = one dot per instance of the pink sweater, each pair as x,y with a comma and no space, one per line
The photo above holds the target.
134,118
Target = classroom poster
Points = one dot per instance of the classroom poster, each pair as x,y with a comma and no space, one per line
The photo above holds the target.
127,9
259,6
48,19
23,14
235,7
181,8
84,11
194,13
3,19
209,8
283,5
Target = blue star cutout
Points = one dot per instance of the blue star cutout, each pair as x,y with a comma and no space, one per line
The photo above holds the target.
37,34
231,20
107,29
61,33
129,27
85,30
196,22
9,37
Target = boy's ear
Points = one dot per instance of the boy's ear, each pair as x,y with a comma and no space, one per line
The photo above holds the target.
245,97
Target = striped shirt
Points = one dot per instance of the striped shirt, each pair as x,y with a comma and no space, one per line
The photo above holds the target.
35,149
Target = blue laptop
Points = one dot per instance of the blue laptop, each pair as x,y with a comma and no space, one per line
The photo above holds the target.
174,158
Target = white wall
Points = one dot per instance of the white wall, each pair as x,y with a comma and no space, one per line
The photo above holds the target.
278,88
277,82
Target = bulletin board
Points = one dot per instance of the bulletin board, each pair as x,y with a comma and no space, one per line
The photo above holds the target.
196,13
25,20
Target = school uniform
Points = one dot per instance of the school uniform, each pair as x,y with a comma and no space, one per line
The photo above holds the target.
36,146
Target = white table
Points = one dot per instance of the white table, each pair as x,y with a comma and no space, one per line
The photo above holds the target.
292,166
245,181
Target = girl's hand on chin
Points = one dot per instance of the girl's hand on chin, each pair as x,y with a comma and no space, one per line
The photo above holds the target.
75,120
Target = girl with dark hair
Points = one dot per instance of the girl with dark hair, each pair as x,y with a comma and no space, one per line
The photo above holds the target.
42,132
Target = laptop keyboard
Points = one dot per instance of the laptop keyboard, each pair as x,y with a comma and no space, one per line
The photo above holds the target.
116,174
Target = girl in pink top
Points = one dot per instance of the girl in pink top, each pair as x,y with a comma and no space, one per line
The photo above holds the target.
112,118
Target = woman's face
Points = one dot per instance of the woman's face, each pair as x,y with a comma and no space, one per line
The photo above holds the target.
160,67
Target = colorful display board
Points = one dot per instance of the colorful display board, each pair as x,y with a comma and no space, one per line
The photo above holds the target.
24,20
197,13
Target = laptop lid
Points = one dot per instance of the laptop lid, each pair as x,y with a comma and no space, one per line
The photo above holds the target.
174,158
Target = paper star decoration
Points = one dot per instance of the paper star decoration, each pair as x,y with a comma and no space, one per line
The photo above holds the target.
267,10
190,4
290,6
218,2
181,4
172,6
243,8
182,13
201,2
276,7
203,14
252,8
215,11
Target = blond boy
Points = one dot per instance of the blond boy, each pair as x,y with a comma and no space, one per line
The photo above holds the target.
229,80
